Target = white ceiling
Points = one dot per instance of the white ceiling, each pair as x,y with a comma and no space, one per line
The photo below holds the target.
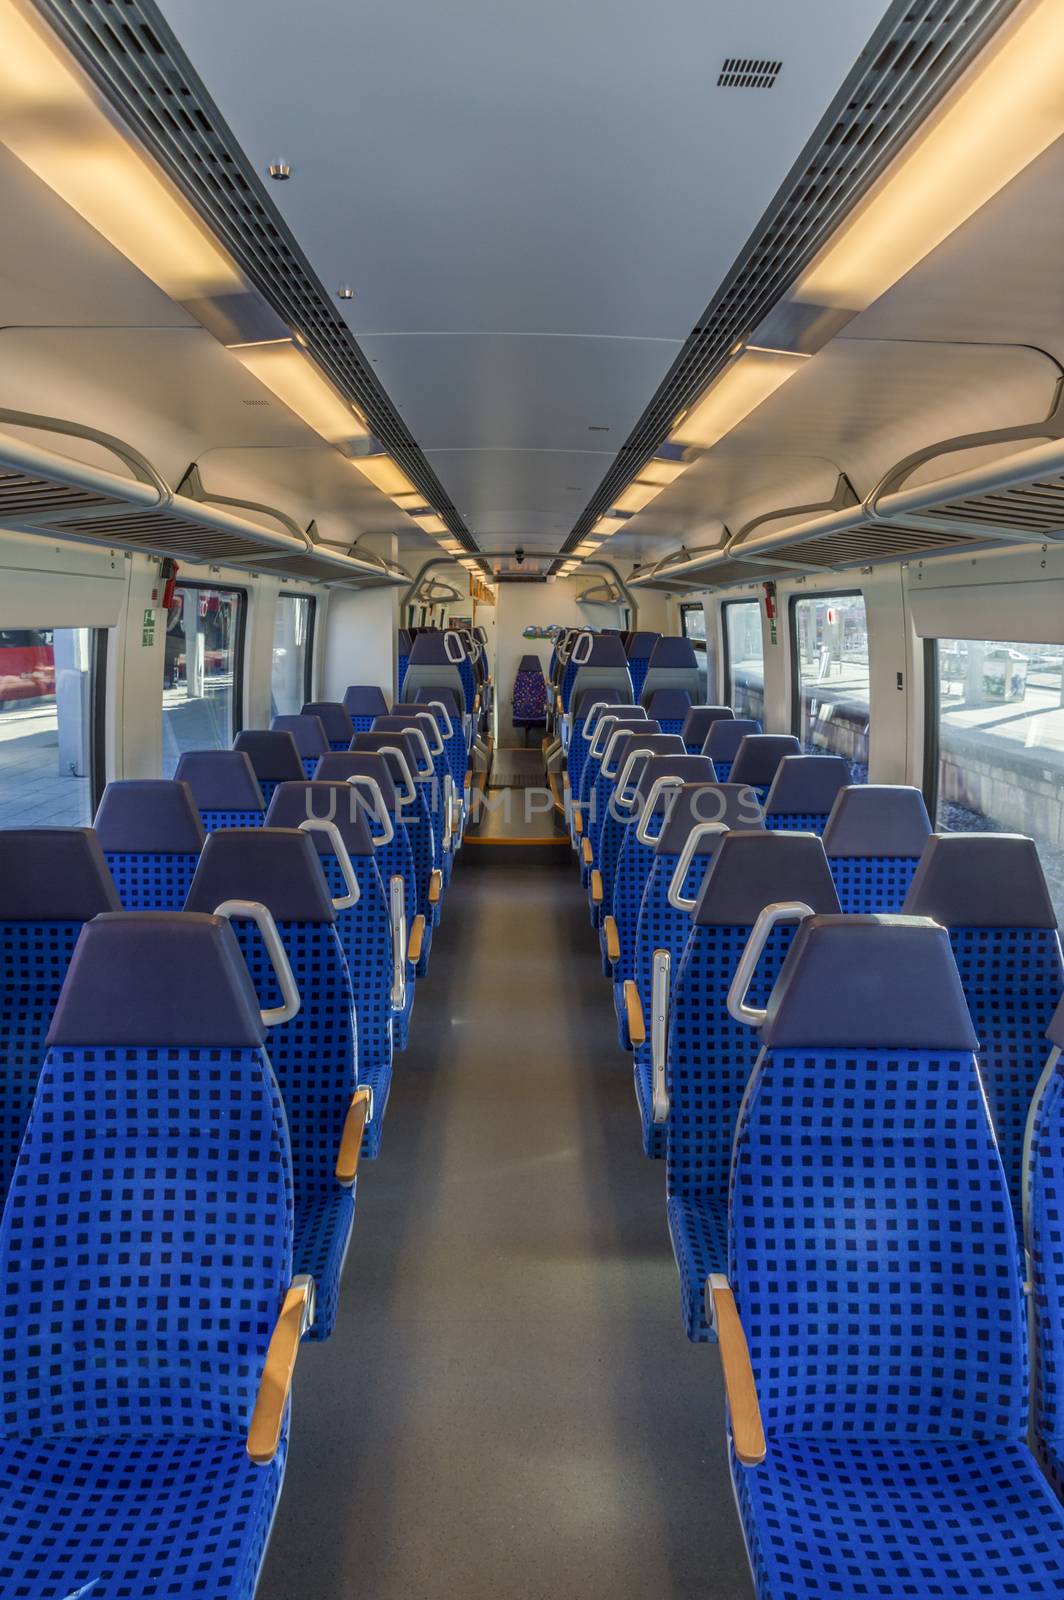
534,203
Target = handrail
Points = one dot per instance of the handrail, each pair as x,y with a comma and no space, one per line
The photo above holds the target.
768,919
342,902
702,830
657,789
138,464
359,780
405,772
192,487
254,911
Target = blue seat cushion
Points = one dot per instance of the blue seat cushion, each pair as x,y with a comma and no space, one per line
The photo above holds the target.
699,1232
892,1520
654,1141
378,1077
125,1517
323,1231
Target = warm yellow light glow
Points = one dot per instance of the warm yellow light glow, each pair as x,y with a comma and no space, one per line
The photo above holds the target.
431,524
1001,116
51,122
636,496
605,526
585,549
740,389
386,476
451,546
409,501
302,387
661,472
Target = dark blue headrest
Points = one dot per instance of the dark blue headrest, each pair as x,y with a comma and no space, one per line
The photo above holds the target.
669,703
760,754
1055,1031
334,718
365,700
759,868
53,875
429,650
807,783
336,801
275,756
726,735
401,726
981,880
307,731
220,780
654,743
701,718
161,978
673,652
587,698
410,711
624,718
733,804
606,651
689,769
640,646
149,816
530,664
878,819
404,641
278,866
632,728
872,983
339,765
441,691
398,741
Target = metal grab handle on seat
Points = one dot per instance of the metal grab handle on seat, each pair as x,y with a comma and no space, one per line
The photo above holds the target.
575,658
429,770
397,907
254,911
600,735
404,771
380,810
677,899
438,748
342,902
446,715
613,740
657,789
592,716
659,1032
448,640
768,919
620,793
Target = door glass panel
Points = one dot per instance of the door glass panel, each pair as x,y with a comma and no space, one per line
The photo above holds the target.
744,653
830,638
203,635
693,622
46,727
293,631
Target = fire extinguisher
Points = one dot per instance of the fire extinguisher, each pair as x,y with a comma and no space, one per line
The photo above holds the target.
770,600
168,574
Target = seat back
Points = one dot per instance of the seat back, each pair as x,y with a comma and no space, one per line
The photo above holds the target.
413,807
670,708
363,702
697,723
457,742
803,792
313,1053
758,758
402,645
635,858
673,665
309,734
224,788
438,658
395,855
874,839
989,890
597,661
588,707
604,726
154,1083
529,704
723,740
619,809
334,719
893,1290
639,647
1043,1220
151,834
619,742
274,756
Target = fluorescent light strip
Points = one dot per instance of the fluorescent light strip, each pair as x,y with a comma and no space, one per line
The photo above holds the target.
283,368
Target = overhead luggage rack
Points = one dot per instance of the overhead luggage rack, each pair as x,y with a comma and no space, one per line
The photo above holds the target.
42,491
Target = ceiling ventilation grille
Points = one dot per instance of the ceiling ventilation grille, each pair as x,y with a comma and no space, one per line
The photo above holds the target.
916,53
135,59
744,72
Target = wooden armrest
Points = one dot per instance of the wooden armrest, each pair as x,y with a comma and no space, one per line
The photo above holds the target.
589,854
435,885
557,702
633,1006
613,939
578,820
275,1385
748,1435
358,1114
417,938
596,887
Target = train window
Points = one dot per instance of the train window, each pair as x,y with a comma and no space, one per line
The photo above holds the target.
744,658
829,635
693,624
47,728
293,640
999,733
202,672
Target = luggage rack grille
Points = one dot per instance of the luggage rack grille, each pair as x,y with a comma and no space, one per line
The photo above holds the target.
1037,507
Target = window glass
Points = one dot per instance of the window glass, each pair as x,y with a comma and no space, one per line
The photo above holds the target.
744,658
293,634
46,727
693,623
1001,744
830,638
201,689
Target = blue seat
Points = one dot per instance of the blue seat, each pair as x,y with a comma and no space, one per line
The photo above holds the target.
697,723
803,792
334,719
664,921
151,833
365,928
417,821
698,1081
592,713
142,1293
528,708
308,731
224,787
431,770
639,647
363,702
1043,1220
670,709
312,1051
758,757
723,740
602,776
403,645
673,664
456,730
596,661
274,755
447,793
631,755
989,890
439,659
52,881
874,839
877,1282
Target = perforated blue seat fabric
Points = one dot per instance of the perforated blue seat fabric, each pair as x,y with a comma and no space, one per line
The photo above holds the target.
417,824
583,714
639,649
803,792
710,1056
425,720
224,787
1043,1216
885,1316
723,741
618,813
990,892
458,742
403,644
314,1053
874,839
121,1477
151,835
363,702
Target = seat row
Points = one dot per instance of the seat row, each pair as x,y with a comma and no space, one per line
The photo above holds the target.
838,1022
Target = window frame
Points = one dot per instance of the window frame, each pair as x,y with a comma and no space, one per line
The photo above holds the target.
796,669
239,640
98,653
932,736
725,642
312,624
685,607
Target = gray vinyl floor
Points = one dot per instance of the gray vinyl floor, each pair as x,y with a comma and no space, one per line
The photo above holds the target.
508,1407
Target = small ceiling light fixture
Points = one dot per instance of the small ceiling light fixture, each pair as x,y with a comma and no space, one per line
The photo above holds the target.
345,292
279,171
